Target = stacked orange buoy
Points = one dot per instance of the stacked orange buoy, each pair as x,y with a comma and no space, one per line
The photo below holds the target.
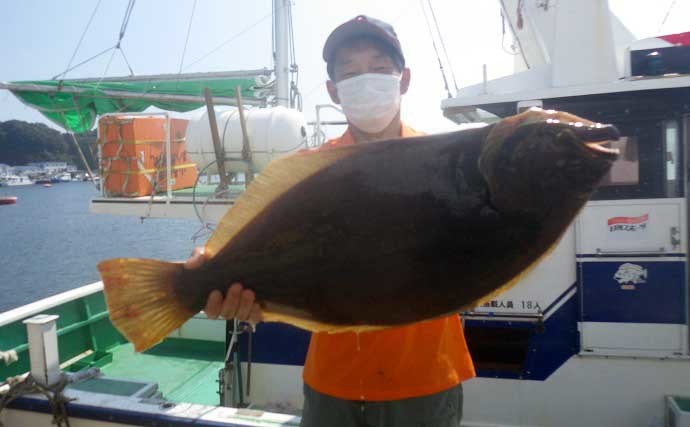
133,155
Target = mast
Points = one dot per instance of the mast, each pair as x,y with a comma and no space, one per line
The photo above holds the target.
281,60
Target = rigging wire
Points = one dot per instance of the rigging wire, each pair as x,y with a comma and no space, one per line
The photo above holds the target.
443,46
107,67
131,72
81,39
125,20
123,30
433,43
116,46
668,12
189,30
84,62
233,37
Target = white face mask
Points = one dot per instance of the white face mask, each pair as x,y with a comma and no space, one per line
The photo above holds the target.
370,101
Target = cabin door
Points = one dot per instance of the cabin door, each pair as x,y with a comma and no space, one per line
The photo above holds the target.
631,246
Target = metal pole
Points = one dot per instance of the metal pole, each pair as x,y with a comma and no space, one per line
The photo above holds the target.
83,159
282,62
168,161
246,148
222,188
129,95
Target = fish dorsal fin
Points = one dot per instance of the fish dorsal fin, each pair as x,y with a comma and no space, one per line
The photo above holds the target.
275,179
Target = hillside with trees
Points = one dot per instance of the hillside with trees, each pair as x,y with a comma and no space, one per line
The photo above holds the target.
22,142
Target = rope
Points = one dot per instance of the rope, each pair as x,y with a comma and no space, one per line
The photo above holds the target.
295,95
513,48
204,224
53,393
433,43
443,46
83,158
517,39
189,30
81,39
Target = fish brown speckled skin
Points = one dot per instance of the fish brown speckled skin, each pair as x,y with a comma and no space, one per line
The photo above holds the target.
393,232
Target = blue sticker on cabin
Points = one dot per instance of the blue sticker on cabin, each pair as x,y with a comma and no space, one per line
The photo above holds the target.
633,292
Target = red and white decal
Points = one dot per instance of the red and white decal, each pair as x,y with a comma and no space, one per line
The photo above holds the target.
628,223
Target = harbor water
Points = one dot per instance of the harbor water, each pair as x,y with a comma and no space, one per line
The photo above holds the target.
50,242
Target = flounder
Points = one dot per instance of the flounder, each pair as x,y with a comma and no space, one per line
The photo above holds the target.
381,234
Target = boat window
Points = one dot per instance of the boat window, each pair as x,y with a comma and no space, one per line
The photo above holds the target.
649,165
674,172
626,170
498,349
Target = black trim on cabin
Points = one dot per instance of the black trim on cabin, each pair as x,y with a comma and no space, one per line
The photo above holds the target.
636,113
633,255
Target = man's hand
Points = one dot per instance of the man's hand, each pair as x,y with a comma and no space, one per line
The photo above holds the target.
239,303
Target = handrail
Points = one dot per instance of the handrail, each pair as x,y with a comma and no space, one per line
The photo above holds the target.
630,251
40,306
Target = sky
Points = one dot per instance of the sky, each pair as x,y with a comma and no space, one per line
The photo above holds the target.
38,38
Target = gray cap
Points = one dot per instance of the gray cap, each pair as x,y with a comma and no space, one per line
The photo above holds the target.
362,25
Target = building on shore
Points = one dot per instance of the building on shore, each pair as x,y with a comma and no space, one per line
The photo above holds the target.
50,168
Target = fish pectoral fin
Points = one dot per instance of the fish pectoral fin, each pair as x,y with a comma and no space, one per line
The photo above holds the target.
274,180
272,312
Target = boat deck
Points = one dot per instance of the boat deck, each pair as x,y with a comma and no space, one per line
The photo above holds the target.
185,370
185,203
185,366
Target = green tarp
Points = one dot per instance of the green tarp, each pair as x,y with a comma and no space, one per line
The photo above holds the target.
75,104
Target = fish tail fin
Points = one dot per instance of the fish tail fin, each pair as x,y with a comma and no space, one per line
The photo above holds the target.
141,299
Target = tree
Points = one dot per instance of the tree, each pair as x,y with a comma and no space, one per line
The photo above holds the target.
22,143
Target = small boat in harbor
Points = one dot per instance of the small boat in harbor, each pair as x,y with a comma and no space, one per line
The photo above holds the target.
8,200
13,180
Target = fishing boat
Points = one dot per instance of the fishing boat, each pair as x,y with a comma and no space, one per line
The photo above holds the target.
16,180
8,200
596,335
606,343
199,375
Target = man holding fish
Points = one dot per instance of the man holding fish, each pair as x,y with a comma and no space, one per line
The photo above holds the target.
409,375
375,247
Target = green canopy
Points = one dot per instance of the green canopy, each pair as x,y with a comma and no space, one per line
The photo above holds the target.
75,104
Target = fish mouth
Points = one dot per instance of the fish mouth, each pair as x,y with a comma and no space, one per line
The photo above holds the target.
595,136
599,147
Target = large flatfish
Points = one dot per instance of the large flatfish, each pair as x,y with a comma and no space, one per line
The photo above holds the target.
381,234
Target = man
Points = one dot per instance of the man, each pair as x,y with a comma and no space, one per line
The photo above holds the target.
400,376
